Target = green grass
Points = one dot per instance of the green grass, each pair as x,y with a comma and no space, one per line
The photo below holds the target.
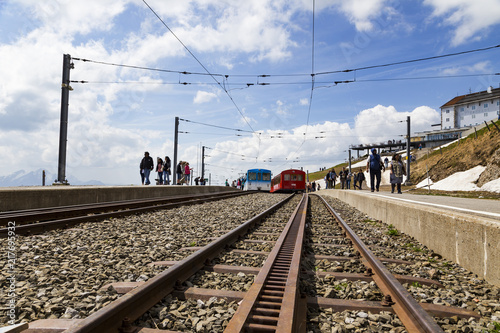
413,247
392,231
416,284
341,286
193,243
496,328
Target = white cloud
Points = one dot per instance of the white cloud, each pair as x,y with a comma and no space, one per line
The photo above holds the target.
469,18
203,97
362,12
258,28
381,123
480,67
304,101
69,17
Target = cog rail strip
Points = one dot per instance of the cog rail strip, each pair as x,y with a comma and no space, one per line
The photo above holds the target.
272,303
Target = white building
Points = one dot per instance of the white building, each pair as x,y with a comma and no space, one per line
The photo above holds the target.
471,110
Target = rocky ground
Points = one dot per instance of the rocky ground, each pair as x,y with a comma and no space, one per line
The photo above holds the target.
59,274
461,288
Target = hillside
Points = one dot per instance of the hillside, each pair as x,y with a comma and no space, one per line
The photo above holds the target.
459,156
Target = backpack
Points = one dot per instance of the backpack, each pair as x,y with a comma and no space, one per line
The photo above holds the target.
375,162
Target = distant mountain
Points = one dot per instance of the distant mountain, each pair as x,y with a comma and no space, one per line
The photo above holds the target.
34,178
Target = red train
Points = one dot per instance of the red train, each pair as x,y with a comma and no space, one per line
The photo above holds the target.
291,180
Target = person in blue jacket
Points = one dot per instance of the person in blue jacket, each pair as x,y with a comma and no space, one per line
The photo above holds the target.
374,166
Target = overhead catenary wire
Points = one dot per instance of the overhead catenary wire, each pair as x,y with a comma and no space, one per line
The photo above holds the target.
312,80
329,84
284,75
201,64
410,61
216,126
232,153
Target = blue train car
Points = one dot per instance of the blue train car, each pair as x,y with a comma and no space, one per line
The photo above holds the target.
258,180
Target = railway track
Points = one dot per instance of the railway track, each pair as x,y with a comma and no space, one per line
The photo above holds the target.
40,220
277,300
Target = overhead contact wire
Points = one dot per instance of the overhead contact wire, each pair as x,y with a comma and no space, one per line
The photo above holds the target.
200,63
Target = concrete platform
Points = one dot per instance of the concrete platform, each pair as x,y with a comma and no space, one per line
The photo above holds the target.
468,239
19,198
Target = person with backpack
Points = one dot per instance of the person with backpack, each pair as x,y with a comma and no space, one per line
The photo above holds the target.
374,166
333,178
397,172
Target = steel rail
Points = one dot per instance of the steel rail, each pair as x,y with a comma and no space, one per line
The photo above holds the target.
271,303
43,214
411,314
67,222
134,304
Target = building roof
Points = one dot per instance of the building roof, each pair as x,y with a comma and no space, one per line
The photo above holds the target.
453,101
475,97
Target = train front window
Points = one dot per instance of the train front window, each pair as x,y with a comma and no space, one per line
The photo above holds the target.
252,176
259,176
286,177
300,178
294,177
266,176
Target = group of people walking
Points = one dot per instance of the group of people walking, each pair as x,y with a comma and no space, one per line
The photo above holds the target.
375,166
163,169
183,173
345,178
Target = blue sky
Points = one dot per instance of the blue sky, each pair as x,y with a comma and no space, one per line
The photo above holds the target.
122,112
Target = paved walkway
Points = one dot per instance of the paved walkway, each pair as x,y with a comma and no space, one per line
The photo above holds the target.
480,207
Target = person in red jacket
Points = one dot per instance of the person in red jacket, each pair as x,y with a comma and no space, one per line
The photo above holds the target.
187,172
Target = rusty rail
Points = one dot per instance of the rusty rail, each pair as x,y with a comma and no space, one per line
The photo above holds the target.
411,314
118,209
272,303
44,214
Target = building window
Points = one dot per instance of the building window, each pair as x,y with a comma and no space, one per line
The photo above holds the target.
462,109
498,103
485,105
473,116
462,118
486,114
473,107
447,119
